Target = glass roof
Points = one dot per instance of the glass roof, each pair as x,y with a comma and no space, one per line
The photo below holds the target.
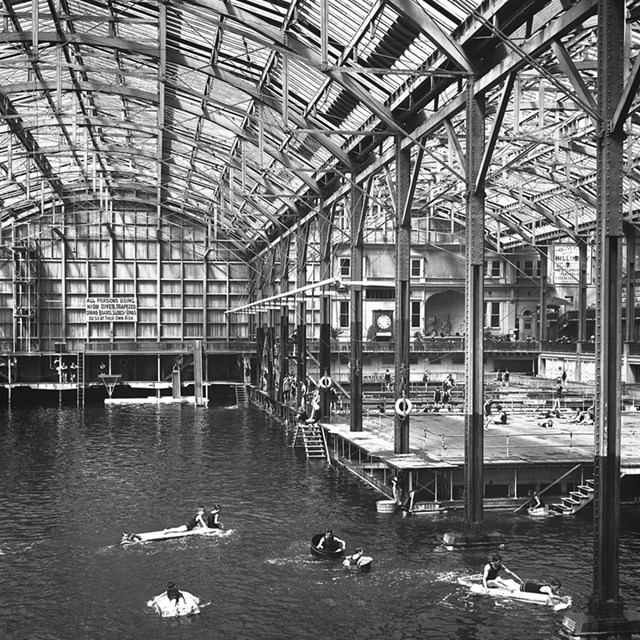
247,114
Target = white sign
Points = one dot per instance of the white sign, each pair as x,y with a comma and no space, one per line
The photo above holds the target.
112,309
566,264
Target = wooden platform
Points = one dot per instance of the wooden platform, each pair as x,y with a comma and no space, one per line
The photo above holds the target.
437,441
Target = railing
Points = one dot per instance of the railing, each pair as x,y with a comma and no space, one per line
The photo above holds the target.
440,344
530,446
184,346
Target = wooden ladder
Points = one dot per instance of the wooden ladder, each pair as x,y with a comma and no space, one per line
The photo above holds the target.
80,379
576,500
241,394
312,438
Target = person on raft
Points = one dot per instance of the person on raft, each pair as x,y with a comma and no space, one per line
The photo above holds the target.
212,520
550,588
331,543
196,521
130,537
536,501
174,594
491,575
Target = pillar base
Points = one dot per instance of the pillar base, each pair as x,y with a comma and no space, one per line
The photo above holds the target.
462,540
581,625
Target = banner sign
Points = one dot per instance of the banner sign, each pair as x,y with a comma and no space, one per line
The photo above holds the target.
112,309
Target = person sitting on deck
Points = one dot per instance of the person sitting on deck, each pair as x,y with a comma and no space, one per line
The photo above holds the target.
302,415
502,415
331,543
491,575
583,416
196,521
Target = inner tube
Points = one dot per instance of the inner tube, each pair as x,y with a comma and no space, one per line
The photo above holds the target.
168,609
362,566
403,407
325,383
323,553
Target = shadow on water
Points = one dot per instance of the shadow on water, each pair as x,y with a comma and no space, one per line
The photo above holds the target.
71,481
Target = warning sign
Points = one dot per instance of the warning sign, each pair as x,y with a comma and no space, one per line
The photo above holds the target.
566,265
112,310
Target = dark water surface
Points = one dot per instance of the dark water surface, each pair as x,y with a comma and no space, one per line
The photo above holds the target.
71,482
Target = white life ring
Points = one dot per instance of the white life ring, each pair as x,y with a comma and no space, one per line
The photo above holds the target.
403,407
325,382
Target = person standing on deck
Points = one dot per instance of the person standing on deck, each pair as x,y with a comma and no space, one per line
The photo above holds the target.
387,380
557,396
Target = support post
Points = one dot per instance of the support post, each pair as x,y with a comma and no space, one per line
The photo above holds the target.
324,233
543,333
403,295
629,333
582,306
357,272
605,616
474,532
198,385
301,313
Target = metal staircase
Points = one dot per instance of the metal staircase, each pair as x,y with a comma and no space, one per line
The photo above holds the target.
576,500
241,394
312,438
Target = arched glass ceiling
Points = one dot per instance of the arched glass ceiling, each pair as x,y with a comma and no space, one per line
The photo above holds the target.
242,113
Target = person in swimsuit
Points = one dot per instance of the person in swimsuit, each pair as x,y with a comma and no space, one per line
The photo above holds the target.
491,575
212,520
130,537
196,521
331,543
550,588
355,559
174,594
535,502
316,412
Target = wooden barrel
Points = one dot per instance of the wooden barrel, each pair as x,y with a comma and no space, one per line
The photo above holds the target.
321,553
386,506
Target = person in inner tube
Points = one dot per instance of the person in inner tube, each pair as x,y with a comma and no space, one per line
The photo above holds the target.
331,543
491,575
355,559
196,521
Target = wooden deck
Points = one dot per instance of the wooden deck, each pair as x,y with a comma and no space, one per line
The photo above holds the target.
437,441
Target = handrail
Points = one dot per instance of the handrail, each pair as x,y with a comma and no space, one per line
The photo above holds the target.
562,477
326,446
